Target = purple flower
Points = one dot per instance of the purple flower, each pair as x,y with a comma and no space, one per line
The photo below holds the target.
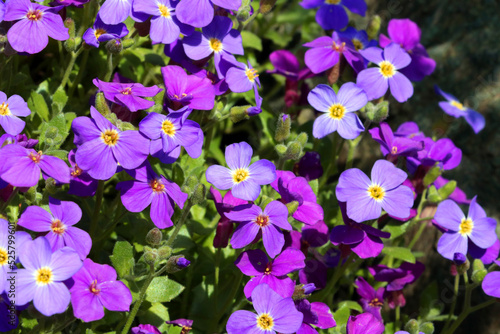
455,108
395,146
76,3
269,222
21,166
359,38
115,11
375,81
187,90
242,78
95,288
10,109
315,272
35,23
331,14
364,323
311,236
165,27
145,329
128,94
491,283
274,314
443,152
488,255
338,110
101,32
149,188
186,324
366,198
476,227
44,274
21,139
273,273
317,314
287,64
296,189
407,34
218,38
199,13
59,225
371,300
309,166
102,146
242,177
225,225
81,183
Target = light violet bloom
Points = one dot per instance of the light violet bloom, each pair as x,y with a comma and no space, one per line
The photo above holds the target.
199,13
10,109
102,32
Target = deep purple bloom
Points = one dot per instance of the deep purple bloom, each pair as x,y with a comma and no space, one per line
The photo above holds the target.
243,178
182,263
21,139
395,146
242,78
455,108
199,13
314,272
10,109
102,146
296,189
331,14
269,222
149,188
274,314
287,65
187,90
145,329
35,23
225,225
102,32
186,324
371,300
476,227
81,183
443,152
273,273
407,34
76,3
377,80
409,130
95,288
59,225
218,38
129,95
359,38
8,319
44,274
317,314
488,255
338,110
491,283
21,167
165,27
366,198
364,323
309,166
311,236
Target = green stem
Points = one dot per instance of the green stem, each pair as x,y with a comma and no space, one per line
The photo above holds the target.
339,272
180,223
398,316
97,208
79,76
110,67
71,64
454,303
417,219
466,313
216,278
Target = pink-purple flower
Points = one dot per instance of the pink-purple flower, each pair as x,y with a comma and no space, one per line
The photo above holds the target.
364,323
10,110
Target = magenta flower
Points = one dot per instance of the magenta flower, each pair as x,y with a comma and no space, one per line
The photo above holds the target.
10,109
371,300
185,324
95,288
43,276
364,323
366,198
476,228
338,110
81,183
59,225
102,146
273,273
102,32
21,167
395,146
269,222
149,188
225,225
242,177
199,13
128,94
315,314
274,314
145,329
287,65
377,80
35,23
331,14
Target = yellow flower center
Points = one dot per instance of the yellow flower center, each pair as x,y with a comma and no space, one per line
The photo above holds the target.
110,137
215,45
4,109
265,322
240,175
375,303
77,172
262,221
357,44
338,47
127,91
165,12
43,276
466,226
3,256
168,127
99,32
157,186
57,227
376,192
456,104
93,287
34,14
394,150
336,111
35,157
251,74
387,69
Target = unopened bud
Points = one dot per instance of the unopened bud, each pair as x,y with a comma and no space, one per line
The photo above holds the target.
292,207
432,175
50,185
433,195
293,151
101,104
154,237
302,139
124,126
479,275
199,194
182,263
70,44
164,252
238,114
280,149
266,6
70,24
173,266
190,185
128,43
412,326
283,128
244,13
303,290
374,27
51,132
150,255
377,112
427,328
114,46
446,190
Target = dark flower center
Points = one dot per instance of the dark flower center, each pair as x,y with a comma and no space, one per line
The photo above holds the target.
77,171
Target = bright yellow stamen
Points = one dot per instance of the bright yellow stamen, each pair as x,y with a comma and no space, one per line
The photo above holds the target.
165,12
215,45
453,103
3,256
387,69
394,150
58,227
43,276
251,74
336,111
338,47
157,186
110,137
375,303
35,157
466,226
265,322
262,220
357,44
240,175
77,172
376,192
93,287
4,109
34,15
99,32
127,91
168,127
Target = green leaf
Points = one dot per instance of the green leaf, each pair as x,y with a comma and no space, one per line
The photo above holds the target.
400,253
314,186
123,258
156,315
54,132
351,305
59,100
250,40
163,290
38,106
395,228
342,315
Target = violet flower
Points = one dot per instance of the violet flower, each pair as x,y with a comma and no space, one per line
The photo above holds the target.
225,225
315,272
371,300
364,323
287,65
242,78
443,152
394,146
145,329
315,314
102,32
331,14
81,183
309,166
359,38
10,109
185,324
199,13
491,283
115,11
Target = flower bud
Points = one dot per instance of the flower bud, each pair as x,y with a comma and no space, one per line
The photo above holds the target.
292,207
280,149
303,290
293,151
427,328
50,185
302,139
128,43
150,255
101,104
190,185
51,132
70,24
30,195
154,237
478,276
70,44
239,113
283,128
114,46
412,326
374,27
174,264
182,263
266,6
199,194
433,195
243,13
432,175
164,252
446,190
377,112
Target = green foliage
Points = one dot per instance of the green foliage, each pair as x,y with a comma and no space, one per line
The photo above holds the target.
162,290
123,258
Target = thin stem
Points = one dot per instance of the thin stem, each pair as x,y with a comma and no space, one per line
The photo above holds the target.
180,223
71,64
97,208
466,313
417,218
81,71
110,67
398,316
216,278
454,303
339,272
